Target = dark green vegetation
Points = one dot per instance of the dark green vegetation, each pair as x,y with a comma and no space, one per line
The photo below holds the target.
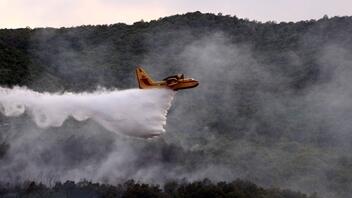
201,189
273,106
77,58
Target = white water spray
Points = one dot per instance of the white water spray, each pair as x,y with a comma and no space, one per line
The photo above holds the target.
133,112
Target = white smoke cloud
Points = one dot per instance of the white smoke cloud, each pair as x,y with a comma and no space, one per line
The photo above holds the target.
133,112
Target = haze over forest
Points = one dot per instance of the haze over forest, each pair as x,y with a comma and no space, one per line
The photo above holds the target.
273,106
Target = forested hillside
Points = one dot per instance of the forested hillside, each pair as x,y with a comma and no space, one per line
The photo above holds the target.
130,188
273,106
63,56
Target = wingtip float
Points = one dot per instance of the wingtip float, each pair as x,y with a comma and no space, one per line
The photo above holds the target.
174,82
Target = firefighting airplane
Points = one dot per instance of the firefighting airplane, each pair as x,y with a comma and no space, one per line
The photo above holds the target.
175,82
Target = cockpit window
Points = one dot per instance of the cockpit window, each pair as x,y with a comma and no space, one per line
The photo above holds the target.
178,76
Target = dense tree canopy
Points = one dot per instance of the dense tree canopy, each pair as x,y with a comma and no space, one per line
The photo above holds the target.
201,189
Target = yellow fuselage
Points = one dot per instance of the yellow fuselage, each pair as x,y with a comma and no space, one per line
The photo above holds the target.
176,82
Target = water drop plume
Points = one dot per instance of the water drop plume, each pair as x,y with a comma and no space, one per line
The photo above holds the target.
133,112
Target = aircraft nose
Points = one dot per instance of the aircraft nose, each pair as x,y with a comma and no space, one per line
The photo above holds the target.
196,83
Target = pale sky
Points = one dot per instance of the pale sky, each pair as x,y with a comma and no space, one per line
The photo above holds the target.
67,13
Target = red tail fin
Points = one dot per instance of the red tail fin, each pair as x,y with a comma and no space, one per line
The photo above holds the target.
144,80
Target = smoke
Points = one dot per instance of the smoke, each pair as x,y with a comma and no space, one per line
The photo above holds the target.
69,135
134,112
283,122
278,118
